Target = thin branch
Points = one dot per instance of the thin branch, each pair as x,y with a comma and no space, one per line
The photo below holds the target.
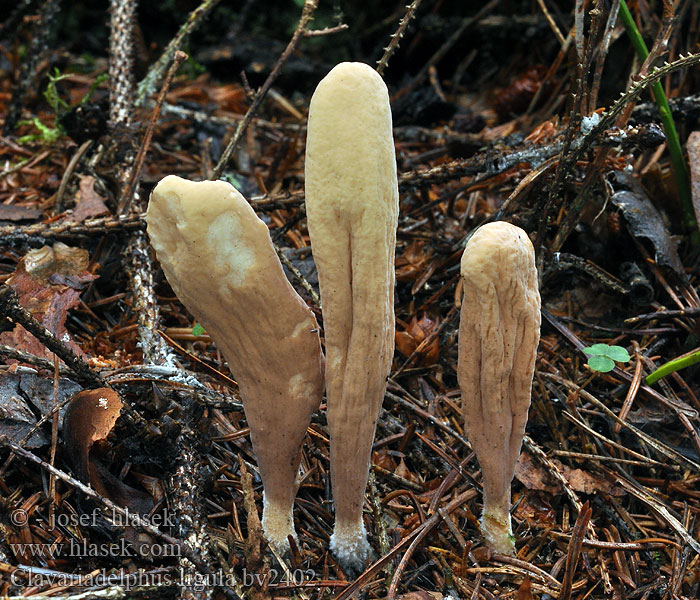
325,31
298,276
122,14
40,232
141,265
602,55
299,32
552,24
397,35
128,191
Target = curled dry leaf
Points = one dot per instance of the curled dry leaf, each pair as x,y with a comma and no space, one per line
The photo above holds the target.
404,472
412,261
383,459
645,221
544,132
89,418
415,334
525,590
534,507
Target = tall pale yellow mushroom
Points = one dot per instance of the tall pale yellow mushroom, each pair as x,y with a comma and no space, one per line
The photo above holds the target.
352,210
498,336
219,259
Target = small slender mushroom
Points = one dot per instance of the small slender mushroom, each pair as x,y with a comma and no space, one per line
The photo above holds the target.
352,212
219,259
498,335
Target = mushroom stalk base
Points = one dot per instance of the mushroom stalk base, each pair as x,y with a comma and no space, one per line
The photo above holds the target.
496,529
278,525
350,547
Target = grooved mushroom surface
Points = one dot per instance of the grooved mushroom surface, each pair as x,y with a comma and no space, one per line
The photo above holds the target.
498,337
352,210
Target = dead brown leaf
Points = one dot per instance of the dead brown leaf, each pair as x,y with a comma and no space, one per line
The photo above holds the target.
544,132
382,459
534,477
88,203
48,282
416,332
525,590
17,418
89,418
533,505
403,471
412,261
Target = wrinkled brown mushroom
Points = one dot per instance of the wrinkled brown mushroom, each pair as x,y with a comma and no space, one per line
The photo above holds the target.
498,335
218,257
352,209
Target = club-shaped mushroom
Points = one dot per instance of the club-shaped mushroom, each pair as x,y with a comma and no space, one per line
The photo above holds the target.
219,259
498,336
352,211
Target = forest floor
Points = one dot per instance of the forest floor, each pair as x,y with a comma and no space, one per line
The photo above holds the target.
534,131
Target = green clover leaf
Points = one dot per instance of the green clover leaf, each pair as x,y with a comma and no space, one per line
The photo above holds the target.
597,350
618,354
602,357
602,364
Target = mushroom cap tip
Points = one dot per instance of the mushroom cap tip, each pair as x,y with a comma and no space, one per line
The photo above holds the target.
498,232
352,77
349,67
499,246
171,183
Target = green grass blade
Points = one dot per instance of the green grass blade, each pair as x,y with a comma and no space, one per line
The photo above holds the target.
678,164
673,365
